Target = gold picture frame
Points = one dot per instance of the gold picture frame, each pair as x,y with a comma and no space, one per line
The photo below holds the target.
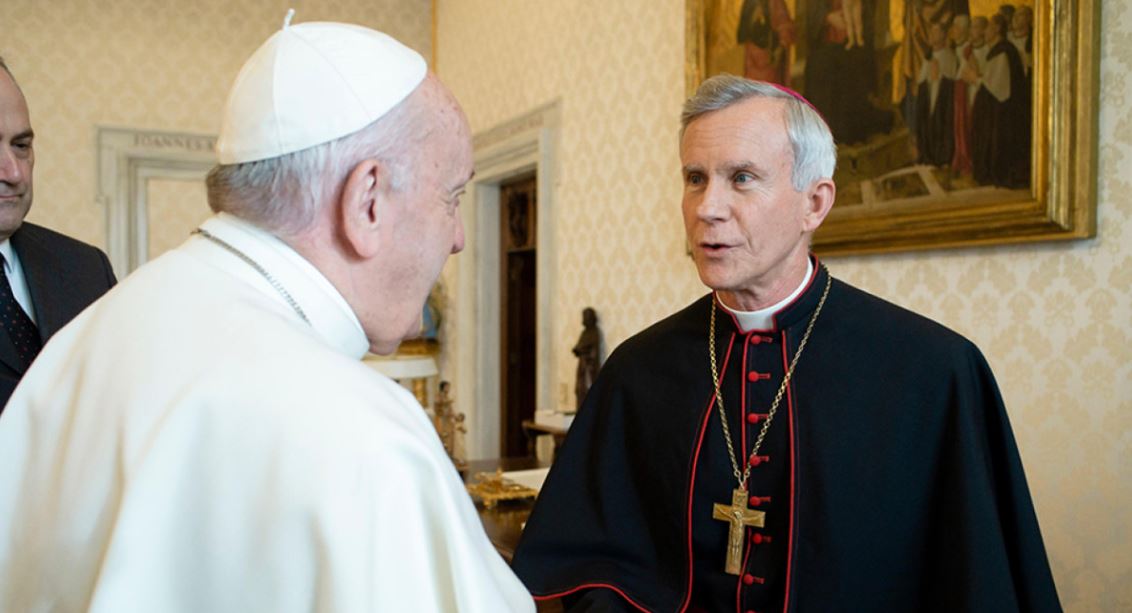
1058,204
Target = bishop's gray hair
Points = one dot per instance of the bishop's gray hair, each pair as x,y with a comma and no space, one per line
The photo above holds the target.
815,154
283,194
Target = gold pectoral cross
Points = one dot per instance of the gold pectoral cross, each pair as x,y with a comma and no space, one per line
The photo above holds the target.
738,515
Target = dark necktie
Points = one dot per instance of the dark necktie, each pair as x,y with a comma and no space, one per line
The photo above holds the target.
21,329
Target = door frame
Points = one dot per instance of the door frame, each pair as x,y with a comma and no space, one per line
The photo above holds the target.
519,146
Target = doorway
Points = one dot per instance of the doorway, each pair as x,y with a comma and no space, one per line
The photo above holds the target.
506,155
518,201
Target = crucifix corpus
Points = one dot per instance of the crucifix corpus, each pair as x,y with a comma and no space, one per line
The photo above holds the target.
738,515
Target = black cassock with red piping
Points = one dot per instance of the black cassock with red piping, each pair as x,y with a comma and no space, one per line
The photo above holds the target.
889,476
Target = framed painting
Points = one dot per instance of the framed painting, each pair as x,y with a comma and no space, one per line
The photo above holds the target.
958,122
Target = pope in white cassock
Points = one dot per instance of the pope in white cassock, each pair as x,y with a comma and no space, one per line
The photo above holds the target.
205,438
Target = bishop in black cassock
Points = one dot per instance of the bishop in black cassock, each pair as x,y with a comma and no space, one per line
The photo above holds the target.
888,479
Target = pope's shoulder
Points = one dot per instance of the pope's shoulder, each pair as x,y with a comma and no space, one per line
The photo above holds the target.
240,354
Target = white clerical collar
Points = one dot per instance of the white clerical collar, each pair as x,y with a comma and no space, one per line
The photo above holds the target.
763,319
328,312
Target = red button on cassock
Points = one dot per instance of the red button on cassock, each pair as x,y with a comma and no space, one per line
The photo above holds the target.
756,339
755,376
754,418
751,579
759,539
759,459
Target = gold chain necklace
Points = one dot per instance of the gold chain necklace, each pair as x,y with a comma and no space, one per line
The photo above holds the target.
737,514
777,398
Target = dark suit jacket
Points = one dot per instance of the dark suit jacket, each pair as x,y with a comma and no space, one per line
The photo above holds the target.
64,276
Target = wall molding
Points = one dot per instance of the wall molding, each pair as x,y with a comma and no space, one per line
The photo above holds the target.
127,160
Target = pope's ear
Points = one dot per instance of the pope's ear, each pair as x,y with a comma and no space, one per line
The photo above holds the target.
360,207
819,201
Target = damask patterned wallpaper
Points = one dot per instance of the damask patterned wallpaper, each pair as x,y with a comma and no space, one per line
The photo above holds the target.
146,64
174,208
1054,320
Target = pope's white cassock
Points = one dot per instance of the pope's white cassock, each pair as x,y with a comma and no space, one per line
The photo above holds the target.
190,444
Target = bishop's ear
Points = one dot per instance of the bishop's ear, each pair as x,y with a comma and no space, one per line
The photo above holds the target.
819,201
361,207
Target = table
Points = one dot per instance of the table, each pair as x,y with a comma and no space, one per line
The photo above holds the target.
504,523
533,429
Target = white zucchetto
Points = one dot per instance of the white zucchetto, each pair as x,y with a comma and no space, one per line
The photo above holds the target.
312,83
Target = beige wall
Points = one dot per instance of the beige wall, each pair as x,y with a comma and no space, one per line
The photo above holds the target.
1054,320
146,64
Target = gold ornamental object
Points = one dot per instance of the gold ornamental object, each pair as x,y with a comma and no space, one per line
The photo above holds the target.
491,488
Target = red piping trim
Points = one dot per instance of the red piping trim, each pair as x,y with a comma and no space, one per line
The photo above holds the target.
692,481
793,468
743,399
739,580
590,586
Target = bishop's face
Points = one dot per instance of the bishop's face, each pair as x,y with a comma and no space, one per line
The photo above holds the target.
748,227
16,156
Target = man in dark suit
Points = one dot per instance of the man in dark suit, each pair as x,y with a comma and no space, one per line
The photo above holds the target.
45,278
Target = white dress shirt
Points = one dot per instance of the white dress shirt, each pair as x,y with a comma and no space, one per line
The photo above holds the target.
16,278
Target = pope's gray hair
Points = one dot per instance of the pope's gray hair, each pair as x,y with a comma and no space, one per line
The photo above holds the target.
815,154
284,194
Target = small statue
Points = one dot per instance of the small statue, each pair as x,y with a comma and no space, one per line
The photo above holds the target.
443,400
588,351
459,454
449,425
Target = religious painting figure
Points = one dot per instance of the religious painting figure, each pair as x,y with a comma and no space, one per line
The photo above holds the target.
935,112
916,46
1001,132
205,437
963,42
854,27
840,78
766,31
588,352
1022,35
787,442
